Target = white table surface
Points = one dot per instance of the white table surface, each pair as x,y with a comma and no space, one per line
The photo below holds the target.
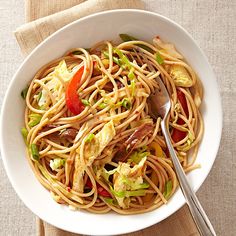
213,26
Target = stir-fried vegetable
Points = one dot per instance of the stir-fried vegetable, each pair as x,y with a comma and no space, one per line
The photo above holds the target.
39,96
131,74
24,133
73,102
159,59
89,138
123,194
110,201
78,52
157,149
168,189
57,163
53,84
132,86
180,76
105,173
190,138
85,102
126,38
127,182
34,119
124,60
93,150
166,47
115,59
24,92
126,103
102,105
178,135
128,146
134,184
138,155
34,151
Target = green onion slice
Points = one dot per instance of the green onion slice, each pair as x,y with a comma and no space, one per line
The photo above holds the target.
89,138
159,59
34,151
34,119
24,92
85,102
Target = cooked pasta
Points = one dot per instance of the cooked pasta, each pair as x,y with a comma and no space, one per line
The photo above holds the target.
91,140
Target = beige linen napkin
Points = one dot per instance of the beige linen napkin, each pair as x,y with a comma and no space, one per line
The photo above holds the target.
33,33
47,16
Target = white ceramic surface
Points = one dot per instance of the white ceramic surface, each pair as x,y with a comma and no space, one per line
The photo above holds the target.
84,33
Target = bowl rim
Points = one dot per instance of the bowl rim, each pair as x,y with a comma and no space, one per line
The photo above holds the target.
60,31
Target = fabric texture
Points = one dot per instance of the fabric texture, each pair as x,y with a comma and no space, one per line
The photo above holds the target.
212,25
33,33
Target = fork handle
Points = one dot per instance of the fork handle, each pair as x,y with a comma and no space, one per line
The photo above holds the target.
199,216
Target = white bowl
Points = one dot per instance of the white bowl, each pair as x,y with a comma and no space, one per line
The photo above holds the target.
84,33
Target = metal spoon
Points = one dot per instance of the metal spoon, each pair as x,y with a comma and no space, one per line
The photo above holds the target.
159,105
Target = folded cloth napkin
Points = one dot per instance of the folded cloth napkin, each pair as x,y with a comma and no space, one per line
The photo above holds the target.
47,16
33,33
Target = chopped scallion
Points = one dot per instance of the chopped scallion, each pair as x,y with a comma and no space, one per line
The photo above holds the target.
24,92
127,38
57,163
39,96
34,119
168,189
85,102
109,200
132,84
131,74
34,151
77,52
126,103
89,138
159,59
124,60
102,105
115,59
24,133
137,156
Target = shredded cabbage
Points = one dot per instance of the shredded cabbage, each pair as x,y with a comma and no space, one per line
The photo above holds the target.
102,172
127,182
169,48
54,79
92,151
125,194
57,163
180,76
138,155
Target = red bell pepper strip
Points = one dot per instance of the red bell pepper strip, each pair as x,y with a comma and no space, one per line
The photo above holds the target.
73,102
178,135
101,191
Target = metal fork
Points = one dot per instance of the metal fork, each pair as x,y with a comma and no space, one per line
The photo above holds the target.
159,105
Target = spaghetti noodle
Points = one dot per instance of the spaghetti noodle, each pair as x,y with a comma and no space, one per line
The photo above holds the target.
91,141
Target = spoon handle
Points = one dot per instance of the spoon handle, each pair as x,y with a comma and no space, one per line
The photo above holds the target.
199,216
